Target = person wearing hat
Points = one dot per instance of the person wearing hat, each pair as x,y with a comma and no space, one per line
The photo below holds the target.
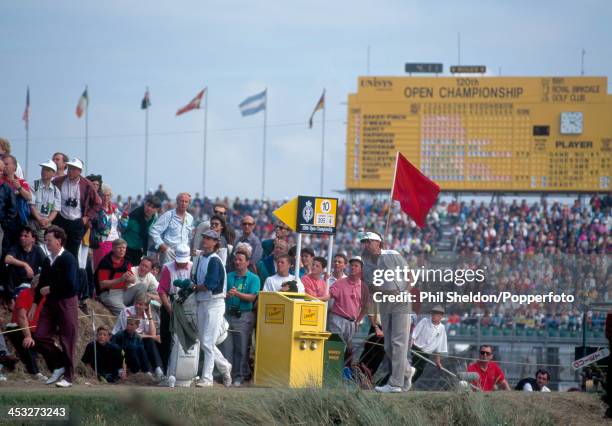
429,338
211,282
351,299
79,204
45,204
179,269
394,316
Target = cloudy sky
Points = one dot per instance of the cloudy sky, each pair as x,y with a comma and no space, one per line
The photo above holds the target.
238,48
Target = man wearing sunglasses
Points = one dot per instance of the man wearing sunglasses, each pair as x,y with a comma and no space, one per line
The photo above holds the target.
248,236
490,374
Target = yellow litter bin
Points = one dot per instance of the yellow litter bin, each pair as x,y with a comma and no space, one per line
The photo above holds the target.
290,339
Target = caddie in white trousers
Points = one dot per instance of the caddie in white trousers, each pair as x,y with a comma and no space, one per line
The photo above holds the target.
211,283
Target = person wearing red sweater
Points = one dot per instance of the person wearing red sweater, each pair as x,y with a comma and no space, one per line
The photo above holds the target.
58,282
490,374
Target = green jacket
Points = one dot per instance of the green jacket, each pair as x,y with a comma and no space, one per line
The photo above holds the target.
136,232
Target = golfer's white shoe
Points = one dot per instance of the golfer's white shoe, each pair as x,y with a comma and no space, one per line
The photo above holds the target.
388,389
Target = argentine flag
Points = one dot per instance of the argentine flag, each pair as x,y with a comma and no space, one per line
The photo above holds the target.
253,104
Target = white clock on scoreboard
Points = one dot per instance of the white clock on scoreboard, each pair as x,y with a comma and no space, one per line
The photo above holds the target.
572,123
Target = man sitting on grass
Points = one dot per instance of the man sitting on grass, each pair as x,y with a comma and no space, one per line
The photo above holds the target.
107,357
538,384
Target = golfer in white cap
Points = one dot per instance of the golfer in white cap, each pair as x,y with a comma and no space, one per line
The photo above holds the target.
394,316
211,282
45,204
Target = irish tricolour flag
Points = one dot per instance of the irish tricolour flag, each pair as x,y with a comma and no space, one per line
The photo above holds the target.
82,105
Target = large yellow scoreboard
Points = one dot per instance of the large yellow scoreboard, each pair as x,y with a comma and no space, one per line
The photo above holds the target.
484,133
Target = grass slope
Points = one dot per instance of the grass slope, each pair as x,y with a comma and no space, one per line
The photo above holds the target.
129,405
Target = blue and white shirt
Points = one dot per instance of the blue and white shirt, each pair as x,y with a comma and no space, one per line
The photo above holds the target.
171,229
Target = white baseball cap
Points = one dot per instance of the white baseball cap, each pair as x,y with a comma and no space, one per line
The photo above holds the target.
371,236
356,259
75,162
49,164
182,253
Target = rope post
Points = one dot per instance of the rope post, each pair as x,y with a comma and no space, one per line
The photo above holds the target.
93,326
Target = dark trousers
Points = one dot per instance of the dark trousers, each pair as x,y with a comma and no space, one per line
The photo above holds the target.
136,357
58,317
8,288
373,351
27,356
419,363
133,255
609,384
166,337
86,282
75,229
152,351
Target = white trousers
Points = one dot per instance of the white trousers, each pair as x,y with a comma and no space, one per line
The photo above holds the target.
210,317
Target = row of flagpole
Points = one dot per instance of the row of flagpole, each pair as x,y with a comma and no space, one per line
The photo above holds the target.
251,105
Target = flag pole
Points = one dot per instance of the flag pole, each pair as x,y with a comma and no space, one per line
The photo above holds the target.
87,130
27,129
391,195
263,167
323,145
146,162
205,132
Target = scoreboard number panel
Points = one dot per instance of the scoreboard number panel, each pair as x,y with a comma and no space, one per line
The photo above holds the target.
482,133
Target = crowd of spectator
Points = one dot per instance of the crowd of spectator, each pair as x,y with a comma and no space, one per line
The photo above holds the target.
526,248
67,238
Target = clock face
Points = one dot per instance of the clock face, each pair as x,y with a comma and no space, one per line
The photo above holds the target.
571,123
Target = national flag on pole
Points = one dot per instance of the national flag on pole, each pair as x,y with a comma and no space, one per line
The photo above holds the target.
253,104
82,105
146,101
26,112
318,106
415,192
193,104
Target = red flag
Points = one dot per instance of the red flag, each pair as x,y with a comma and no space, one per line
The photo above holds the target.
415,191
193,104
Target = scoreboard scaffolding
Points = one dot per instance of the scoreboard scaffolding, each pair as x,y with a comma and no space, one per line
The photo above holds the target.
515,134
